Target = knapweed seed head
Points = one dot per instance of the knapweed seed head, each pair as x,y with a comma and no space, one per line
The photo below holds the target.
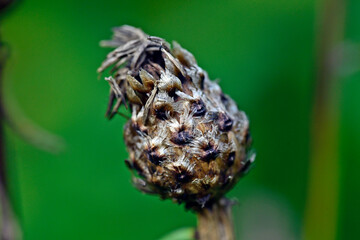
186,139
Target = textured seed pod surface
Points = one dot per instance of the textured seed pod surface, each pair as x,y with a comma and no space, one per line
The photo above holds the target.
186,139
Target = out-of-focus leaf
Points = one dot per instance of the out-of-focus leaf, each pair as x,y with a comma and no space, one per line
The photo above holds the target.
350,58
181,234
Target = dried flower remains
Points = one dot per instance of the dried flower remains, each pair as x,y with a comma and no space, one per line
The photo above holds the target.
186,139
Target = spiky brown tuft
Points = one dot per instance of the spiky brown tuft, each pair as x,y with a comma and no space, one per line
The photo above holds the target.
187,140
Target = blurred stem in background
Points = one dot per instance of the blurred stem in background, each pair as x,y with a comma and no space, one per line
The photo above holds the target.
11,114
7,226
323,184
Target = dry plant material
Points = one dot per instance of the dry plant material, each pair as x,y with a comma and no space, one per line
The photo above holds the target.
186,139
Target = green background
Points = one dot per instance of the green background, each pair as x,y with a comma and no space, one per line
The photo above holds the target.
264,53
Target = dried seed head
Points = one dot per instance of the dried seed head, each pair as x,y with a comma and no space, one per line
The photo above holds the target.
187,140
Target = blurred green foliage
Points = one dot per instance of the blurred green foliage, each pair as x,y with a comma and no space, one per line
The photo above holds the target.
263,51
181,234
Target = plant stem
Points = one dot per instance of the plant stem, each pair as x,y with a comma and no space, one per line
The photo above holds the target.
215,223
8,226
323,191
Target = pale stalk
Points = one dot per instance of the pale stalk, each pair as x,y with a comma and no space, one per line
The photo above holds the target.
215,223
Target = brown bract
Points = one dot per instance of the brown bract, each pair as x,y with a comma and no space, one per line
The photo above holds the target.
187,140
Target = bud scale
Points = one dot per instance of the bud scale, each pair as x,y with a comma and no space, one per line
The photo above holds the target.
186,139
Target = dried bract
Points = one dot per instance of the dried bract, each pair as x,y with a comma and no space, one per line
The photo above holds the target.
187,140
